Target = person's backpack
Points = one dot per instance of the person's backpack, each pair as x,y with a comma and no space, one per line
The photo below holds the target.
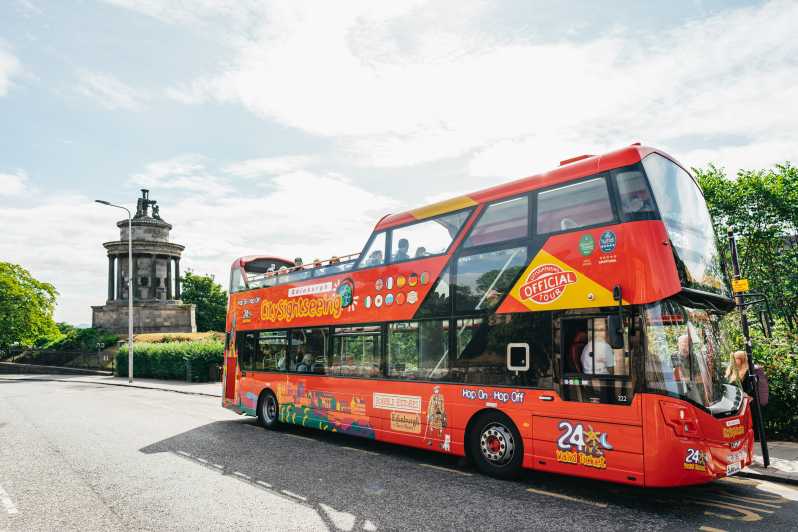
762,386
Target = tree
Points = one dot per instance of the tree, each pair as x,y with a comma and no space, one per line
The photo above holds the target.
762,206
210,298
26,307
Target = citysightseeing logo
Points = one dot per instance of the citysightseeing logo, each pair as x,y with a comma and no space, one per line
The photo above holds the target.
301,307
546,283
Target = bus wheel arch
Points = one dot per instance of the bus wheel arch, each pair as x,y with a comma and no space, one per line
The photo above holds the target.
268,409
494,444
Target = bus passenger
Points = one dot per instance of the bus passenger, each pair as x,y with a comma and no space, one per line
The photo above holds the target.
403,246
603,361
305,364
375,258
421,251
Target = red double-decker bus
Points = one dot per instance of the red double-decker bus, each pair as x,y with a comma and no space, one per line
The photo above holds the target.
568,322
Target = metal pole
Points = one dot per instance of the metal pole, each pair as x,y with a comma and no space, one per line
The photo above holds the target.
739,299
129,288
129,298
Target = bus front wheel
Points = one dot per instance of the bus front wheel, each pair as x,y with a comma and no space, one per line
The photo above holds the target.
495,445
268,410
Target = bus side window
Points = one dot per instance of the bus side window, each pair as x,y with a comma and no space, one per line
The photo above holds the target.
357,352
246,350
481,350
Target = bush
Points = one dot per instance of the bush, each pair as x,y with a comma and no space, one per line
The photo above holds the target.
169,360
73,339
778,357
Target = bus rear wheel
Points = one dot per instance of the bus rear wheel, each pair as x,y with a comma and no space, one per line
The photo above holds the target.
495,445
268,410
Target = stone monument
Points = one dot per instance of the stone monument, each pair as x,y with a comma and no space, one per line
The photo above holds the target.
156,277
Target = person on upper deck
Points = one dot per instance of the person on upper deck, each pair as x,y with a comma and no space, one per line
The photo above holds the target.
401,253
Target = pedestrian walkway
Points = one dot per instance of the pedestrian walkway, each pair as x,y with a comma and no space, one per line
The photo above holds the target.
210,389
783,463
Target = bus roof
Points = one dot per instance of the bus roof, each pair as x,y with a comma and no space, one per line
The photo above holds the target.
570,169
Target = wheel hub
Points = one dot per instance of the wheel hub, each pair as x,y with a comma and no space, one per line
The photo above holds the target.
497,444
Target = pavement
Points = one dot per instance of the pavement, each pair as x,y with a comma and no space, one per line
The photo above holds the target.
783,463
87,456
210,389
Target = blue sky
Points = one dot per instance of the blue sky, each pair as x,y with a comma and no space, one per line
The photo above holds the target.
291,127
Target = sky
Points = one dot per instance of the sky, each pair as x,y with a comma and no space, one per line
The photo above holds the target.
289,128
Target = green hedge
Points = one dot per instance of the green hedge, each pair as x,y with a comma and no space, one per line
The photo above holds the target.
169,360
778,357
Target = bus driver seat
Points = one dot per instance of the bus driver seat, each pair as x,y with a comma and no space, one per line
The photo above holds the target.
575,351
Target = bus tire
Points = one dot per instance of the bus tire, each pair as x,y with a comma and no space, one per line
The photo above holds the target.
495,445
268,410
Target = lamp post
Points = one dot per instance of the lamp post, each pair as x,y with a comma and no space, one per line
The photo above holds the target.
129,288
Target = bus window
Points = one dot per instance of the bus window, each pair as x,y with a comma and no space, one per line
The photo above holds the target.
573,206
375,254
309,350
505,220
418,350
430,237
271,353
587,349
356,352
237,282
247,345
593,371
483,279
636,202
481,350
438,301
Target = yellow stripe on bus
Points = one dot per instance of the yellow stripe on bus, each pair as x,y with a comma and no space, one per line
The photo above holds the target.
442,207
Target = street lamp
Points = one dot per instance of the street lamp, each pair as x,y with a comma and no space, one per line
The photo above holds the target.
129,289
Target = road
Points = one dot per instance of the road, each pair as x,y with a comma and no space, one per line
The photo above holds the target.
90,457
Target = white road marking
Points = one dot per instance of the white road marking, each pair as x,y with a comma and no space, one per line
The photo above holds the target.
567,497
439,468
184,453
7,503
294,495
359,450
264,484
298,436
242,475
202,460
217,466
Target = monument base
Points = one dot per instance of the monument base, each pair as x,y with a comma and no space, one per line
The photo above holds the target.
147,317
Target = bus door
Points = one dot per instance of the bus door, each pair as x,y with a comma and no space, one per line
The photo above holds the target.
594,427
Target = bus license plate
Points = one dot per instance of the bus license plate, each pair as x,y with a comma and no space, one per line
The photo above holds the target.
731,469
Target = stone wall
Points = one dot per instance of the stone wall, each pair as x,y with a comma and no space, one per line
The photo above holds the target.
150,318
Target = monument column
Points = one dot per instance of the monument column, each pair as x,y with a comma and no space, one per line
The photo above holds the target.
110,277
118,278
153,276
168,277
177,278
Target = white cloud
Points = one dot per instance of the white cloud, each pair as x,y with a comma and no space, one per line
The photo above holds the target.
9,66
109,92
13,184
267,166
60,241
186,172
403,86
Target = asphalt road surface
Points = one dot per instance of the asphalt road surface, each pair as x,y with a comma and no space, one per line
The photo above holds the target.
92,457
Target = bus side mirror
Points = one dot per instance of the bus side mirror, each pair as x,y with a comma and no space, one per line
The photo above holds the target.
518,357
615,331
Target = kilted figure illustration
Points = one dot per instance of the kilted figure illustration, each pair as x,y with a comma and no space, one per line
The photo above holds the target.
436,416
